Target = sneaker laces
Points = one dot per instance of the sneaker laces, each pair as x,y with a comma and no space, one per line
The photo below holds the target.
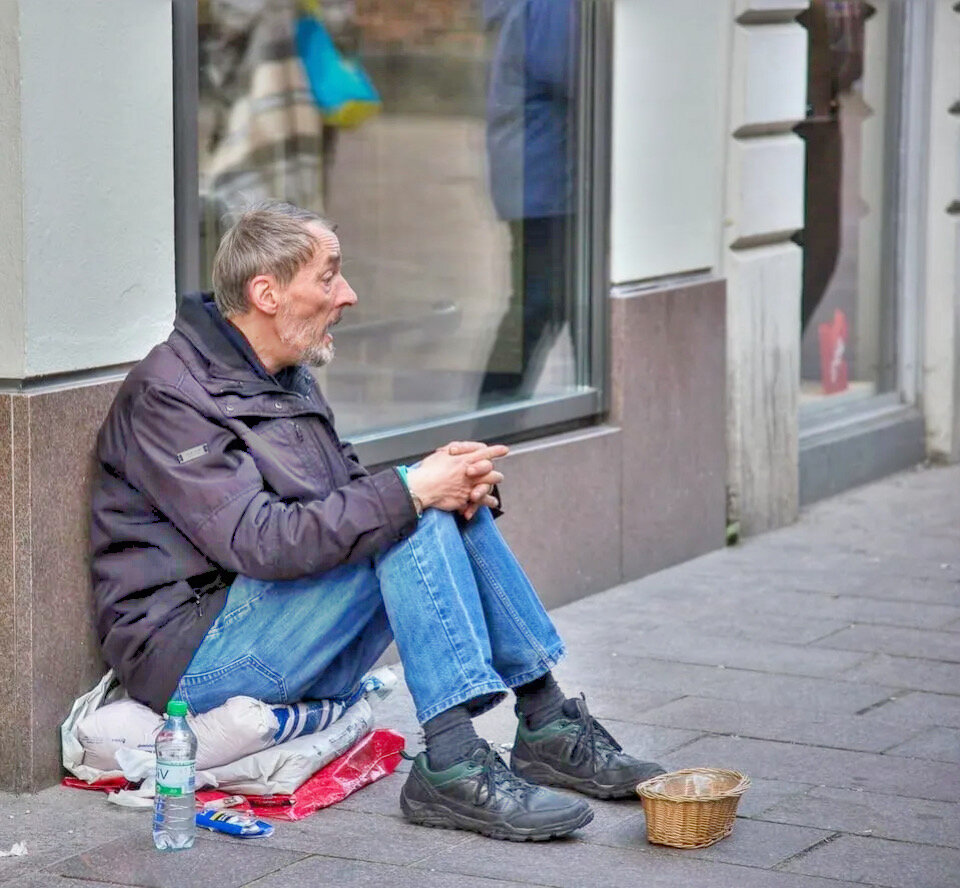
496,775
592,738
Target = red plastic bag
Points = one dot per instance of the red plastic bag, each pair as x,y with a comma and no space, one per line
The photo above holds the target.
370,759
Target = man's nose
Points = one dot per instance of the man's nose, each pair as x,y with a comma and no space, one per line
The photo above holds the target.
347,294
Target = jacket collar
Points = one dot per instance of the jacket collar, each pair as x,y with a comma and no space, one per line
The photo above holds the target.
228,356
224,348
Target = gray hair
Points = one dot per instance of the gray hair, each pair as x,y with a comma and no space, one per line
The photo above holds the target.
270,238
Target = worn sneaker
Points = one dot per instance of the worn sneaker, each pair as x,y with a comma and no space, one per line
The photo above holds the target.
576,752
483,795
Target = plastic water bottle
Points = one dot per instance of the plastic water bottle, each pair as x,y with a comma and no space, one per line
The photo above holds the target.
174,823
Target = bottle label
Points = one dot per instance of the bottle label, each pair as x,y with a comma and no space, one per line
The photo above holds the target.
175,778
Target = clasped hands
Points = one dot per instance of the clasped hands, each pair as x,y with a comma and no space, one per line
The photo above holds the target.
458,477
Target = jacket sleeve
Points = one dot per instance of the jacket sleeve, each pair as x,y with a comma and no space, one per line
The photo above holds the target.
219,500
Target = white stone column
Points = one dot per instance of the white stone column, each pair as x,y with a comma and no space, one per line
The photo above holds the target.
764,207
941,365
86,220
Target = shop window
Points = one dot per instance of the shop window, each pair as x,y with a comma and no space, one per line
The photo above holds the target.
849,299
451,143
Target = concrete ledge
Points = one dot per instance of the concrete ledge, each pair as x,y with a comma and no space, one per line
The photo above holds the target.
835,459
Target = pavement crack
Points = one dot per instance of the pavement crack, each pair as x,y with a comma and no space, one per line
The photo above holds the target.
878,705
826,840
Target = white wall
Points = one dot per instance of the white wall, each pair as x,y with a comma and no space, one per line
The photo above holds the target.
97,181
11,229
669,100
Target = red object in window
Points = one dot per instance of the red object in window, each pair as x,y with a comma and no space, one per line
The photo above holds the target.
834,373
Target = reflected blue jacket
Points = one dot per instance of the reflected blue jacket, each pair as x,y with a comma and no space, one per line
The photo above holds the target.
530,106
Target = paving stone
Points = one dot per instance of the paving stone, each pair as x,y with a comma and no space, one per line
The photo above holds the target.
628,677
918,708
859,609
59,823
780,723
752,843
574,864
769,627
715,650
623,703
136,862
924,643
827,767
903,672
883,816
51,880
379,838
937,744
649,742
881,862
764,794
316,871
382,797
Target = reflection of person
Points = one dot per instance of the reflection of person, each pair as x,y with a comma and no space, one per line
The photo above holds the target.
531,156
836,32
239,548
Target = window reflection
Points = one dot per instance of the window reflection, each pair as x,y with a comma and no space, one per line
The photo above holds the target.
847,347
453,186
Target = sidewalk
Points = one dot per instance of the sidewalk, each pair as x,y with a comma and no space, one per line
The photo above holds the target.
823,660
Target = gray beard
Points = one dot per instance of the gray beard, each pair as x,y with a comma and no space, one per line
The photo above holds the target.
318,355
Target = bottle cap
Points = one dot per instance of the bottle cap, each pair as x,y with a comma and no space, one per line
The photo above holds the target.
176,707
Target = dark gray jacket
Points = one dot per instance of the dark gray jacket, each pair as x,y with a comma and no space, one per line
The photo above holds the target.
208,468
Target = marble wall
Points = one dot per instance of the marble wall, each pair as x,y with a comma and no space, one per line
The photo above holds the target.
46,629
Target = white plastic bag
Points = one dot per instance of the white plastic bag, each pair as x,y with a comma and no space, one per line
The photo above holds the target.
238,728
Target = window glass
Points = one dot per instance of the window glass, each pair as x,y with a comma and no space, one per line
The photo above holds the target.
848,347
440,136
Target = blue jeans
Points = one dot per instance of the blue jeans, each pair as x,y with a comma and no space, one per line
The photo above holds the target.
467,622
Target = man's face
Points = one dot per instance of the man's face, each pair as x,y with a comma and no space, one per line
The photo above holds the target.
313,302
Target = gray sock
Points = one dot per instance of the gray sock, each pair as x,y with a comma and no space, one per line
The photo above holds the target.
450,737
540,701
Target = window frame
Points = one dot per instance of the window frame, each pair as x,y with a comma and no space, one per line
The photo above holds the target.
509,422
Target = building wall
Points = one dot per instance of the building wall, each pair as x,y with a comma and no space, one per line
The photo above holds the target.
96,249
87,243
941,368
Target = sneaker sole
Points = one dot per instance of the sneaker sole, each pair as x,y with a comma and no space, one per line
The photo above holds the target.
544,775
428,814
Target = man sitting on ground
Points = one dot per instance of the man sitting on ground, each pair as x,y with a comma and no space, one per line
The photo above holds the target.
239,548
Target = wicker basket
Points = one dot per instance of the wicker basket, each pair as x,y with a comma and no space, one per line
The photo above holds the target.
691,808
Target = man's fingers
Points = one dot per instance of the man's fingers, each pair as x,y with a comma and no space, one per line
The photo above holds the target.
489,479
458,448
488,451
479,469
491,502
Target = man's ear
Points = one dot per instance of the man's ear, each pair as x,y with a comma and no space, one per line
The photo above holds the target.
262,294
